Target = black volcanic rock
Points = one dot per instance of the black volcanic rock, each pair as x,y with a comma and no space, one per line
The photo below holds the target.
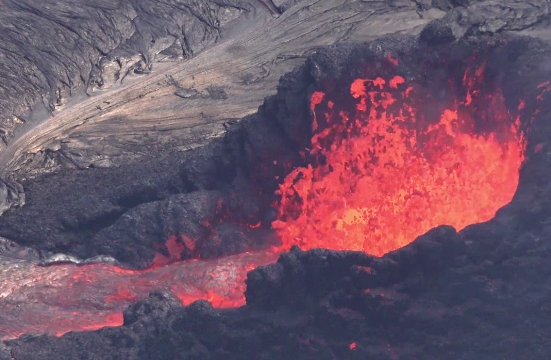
437,32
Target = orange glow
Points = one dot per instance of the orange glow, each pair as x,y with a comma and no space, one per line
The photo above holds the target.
77,298
114,319
388,176
544,87
175,246
391,59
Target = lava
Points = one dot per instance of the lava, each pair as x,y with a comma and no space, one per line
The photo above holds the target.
383,174
62,298
175,246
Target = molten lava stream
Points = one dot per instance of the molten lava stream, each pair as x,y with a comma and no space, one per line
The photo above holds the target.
387,175
62,298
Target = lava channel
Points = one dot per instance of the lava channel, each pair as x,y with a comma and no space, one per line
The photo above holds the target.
384,175
61,298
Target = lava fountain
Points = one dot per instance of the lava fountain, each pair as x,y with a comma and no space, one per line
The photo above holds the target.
382,173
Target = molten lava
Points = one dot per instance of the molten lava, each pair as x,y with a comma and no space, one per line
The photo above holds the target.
62,298
383,174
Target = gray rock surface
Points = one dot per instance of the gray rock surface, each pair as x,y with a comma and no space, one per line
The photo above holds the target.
51,48
134,108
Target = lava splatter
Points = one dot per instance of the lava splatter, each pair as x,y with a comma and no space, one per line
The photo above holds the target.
383,175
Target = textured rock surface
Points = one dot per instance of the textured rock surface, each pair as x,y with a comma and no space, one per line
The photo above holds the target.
144,114
51,48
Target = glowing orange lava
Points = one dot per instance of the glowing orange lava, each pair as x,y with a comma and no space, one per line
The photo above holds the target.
388,177
63,298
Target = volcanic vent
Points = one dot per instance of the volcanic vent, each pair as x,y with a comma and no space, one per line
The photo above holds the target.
365,148
399,143
406,157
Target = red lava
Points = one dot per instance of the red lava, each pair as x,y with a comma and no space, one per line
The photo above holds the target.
62,298
388,176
